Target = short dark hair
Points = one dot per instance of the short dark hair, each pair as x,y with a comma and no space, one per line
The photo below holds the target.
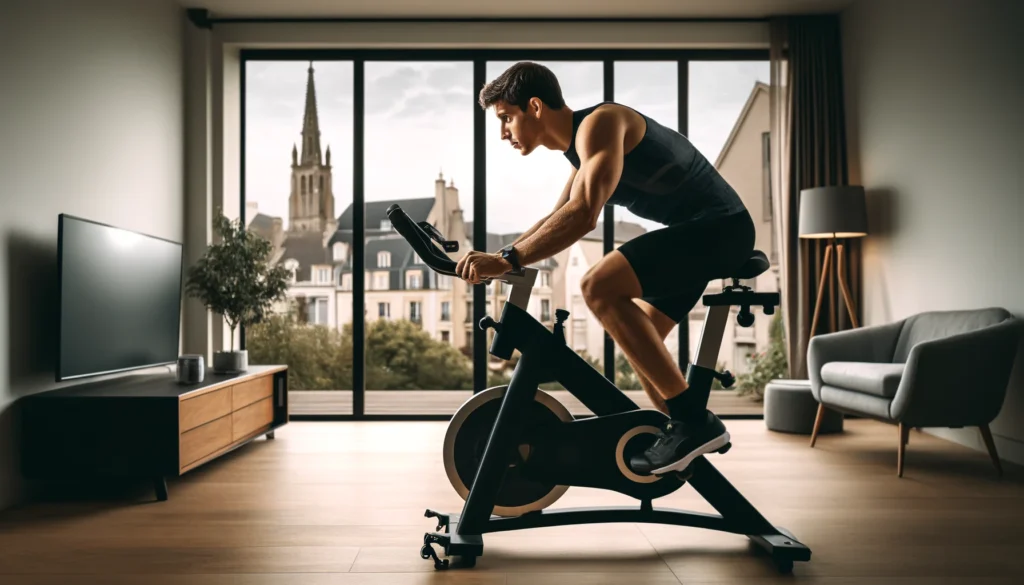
521,82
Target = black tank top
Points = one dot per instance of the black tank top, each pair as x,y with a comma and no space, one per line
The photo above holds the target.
665,178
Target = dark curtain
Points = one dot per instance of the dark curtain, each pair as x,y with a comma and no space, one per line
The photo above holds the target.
809,127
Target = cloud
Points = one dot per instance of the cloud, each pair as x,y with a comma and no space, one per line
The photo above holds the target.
447,77
276,90
387,84
635,80
409,89
435,104
395,82
711,82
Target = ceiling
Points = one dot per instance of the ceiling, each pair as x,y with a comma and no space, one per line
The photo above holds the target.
514,9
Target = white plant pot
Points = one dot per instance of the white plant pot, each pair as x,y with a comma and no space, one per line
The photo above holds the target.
230,362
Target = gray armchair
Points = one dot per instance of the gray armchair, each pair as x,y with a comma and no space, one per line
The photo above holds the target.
933,369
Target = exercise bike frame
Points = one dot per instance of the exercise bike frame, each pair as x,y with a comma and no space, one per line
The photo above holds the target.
544,357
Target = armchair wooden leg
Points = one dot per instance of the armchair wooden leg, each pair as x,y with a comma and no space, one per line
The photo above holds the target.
904,434
817,424
986,435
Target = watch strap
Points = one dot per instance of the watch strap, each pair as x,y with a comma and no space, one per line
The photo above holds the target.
512,255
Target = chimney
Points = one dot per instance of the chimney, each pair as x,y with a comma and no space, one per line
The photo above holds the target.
277,231
451,195
441,207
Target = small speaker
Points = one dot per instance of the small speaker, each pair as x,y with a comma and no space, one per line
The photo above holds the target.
191,369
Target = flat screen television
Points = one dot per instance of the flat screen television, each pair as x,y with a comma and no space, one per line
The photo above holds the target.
120,299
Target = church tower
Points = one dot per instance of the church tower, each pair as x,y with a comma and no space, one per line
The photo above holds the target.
311,203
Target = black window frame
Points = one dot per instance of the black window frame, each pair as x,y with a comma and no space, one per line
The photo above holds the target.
479,58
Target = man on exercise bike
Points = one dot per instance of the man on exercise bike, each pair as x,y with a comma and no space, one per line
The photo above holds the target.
640,291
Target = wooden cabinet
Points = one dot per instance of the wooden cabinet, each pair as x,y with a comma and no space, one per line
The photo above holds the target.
148,426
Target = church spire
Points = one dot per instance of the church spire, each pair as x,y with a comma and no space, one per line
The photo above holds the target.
311,125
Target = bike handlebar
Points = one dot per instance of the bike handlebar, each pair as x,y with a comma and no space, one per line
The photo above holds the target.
420,241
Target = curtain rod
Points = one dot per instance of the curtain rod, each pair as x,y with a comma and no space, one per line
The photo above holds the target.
202,19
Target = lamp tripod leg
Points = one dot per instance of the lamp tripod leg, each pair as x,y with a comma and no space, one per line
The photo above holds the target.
847,297
825,265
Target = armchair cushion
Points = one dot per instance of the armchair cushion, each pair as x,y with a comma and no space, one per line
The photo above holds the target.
880,380
856,403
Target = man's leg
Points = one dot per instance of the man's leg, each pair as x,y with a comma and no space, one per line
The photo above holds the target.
609,289
663,324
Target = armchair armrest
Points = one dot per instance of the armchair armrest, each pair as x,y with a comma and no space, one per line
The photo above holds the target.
876,343
959,380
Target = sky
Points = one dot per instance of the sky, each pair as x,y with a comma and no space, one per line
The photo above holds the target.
419,123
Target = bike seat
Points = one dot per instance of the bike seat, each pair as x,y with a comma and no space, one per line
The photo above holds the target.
756,265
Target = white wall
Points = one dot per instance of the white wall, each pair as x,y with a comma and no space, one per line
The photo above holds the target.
91,109
934,93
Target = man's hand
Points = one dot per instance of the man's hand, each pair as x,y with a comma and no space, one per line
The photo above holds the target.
476,266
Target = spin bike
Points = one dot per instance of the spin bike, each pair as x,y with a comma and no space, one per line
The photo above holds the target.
512,451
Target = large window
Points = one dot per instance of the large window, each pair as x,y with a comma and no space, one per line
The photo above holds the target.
651,88
419,154
332,138
522,190
728,117
298,179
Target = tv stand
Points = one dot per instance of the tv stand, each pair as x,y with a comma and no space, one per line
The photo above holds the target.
147,426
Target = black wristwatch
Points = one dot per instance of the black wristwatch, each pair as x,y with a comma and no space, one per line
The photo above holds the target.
512,255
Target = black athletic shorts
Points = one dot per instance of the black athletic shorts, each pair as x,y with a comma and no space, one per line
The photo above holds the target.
675,263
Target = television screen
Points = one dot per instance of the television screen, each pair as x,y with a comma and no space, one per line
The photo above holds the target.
120,299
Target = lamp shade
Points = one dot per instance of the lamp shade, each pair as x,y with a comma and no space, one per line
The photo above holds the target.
837,211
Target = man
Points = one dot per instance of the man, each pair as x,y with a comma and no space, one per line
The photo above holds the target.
640,291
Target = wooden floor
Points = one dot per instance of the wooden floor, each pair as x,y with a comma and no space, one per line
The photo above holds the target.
342,503
446,402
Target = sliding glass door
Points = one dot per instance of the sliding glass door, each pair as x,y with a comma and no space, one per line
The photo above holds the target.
297,190
419,154
652,88
728,123
520,192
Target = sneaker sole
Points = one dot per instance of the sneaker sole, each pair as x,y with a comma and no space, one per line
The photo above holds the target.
709,447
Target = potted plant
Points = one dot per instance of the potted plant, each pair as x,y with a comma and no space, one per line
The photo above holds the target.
234,278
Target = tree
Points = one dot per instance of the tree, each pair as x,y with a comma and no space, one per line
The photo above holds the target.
234,278
318,358
399,355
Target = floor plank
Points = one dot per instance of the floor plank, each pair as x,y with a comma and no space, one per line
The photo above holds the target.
341,503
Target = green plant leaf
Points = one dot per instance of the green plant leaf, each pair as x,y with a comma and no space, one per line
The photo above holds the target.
234,277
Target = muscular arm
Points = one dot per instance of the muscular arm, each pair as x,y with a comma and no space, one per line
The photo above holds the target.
562,199
600,146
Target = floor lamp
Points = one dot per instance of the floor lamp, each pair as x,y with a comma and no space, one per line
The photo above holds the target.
832,213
